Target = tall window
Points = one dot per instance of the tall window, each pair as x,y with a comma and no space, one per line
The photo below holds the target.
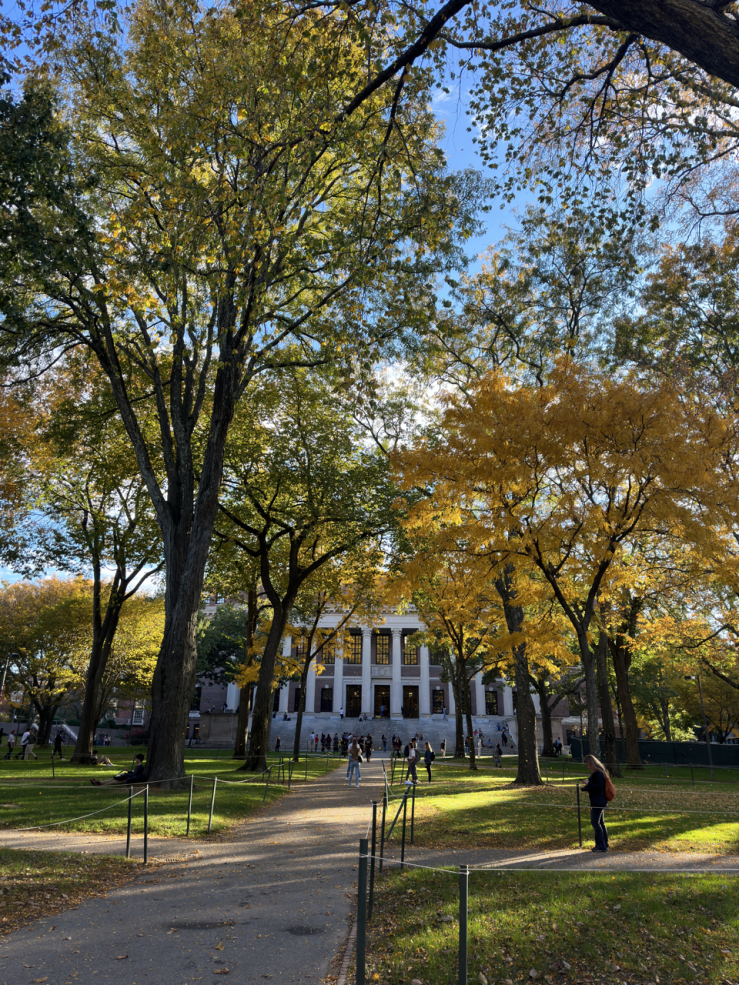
327,654
383,648
410,653
354,655
436,652
300,648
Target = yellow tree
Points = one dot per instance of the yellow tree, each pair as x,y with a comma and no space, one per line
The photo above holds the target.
563,477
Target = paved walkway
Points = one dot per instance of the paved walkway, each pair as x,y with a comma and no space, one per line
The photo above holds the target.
273,900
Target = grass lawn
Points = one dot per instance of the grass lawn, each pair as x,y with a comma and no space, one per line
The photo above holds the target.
484,810
556,927
38,884
29,796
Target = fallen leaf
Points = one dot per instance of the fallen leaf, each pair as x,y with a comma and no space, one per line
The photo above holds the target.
39,980
121,957
533,973
219,947
483,980
617,906
221,971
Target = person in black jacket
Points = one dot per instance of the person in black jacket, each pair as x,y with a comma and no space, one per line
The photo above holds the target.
596,790
136,775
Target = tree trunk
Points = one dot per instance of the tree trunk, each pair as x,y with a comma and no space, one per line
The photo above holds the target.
245,693
664,705
256,761
458,715
528,760
591,694
301,709
546,716
621,662
606,707
468,717
103,633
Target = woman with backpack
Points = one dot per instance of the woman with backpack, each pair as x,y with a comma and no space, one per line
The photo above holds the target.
428,757
600,790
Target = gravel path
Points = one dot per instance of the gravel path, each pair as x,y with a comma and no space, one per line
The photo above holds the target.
273,900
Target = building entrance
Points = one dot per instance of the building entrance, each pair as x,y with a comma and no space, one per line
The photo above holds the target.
353,700
410,701
382,701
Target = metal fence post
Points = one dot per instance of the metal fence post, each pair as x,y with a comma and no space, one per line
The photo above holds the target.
146,824
128,828
413,809
402,844
212,804
189,805
579,817
382,831
266,785
464,876
361,913
372,860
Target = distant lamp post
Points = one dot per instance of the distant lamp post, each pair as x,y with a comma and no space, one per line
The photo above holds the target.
5,673
697,678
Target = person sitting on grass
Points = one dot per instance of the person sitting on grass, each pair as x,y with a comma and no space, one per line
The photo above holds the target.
101,759
136,775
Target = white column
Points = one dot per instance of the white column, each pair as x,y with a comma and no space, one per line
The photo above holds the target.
339,682
508,702
310,690
537,703
367,708
452,705
396,685
232,697
424,699
479,694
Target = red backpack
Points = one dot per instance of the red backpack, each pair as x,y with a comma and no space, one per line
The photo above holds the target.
610,790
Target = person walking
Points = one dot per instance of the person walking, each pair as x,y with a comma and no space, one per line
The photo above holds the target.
368,746
11,743
355,758
59,739
596,790
442,748
277,744
498,756
384,742
428,757
30,744
412,756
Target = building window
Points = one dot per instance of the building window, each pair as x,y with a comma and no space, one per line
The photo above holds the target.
491,702
438,705
436,652
296,699
137,718
299,649
410,654
327,699
383,648
355,651
327,654
195,705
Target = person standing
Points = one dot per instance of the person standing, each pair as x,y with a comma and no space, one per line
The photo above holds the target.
596,790
479,746
498,756
428,758
24,741
368,746
341,713
59,739
442,748
355,758
384,742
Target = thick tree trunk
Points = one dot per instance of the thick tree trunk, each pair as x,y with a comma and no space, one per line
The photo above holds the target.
606,707
528,760
46,715
665,709
621,661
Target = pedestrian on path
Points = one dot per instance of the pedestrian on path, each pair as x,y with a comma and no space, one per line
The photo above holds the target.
355,758
277,744
498,756
428,757
11,743
341,713
30,743
442,748
412,757
58,744
596,790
